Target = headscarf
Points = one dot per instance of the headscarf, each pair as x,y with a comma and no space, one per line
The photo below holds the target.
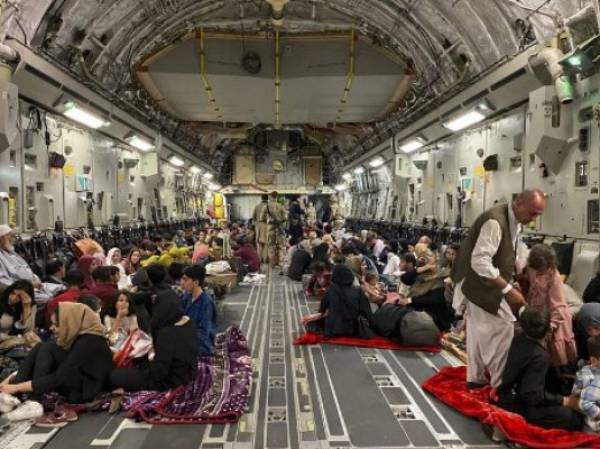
354,264
305,245
342,276
109,257
85,262
166,311
321,252
589,315
75,319
124,281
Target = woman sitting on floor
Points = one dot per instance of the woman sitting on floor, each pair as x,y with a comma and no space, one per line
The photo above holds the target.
342,308
133,261
426,292
76,366
119,319
587,324
17,309
175,346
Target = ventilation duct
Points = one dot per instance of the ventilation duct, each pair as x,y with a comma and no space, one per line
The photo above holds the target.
550,128
546,67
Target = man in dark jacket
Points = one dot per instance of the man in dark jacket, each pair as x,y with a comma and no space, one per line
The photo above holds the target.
523,387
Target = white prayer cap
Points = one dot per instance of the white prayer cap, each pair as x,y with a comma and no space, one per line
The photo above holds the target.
5,230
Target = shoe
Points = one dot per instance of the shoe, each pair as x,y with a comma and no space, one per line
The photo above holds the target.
27,410
475,385
494,433
115,403
8,402
60,417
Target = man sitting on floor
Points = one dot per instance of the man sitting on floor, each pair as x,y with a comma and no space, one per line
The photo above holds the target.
200,307
523,386
13,268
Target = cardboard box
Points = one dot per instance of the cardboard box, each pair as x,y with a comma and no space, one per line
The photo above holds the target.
228,280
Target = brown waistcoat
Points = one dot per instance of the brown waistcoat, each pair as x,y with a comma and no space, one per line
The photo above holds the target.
479,290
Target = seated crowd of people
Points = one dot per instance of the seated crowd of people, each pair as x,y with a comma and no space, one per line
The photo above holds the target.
146,318
370,286
366,285
404,291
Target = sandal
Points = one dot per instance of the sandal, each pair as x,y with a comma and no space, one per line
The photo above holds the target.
116,401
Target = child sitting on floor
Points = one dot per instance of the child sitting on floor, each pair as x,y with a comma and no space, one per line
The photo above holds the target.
587,386
523,388
320,280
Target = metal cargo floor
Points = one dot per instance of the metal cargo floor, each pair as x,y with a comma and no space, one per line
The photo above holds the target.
302,397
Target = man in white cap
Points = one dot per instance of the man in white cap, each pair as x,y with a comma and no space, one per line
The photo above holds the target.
13,267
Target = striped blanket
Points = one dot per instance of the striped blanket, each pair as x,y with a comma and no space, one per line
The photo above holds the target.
219,394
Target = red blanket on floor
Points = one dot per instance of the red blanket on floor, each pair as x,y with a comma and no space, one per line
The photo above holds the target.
313,338
449,387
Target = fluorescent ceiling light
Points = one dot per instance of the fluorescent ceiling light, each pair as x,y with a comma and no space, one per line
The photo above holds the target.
359,170
177,162
347,176
74,112
214,186
195,170
464,121
377,162
137,142
412,145
341,187
208,175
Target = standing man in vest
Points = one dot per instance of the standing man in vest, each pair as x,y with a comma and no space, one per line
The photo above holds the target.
261,229
486,263
277,214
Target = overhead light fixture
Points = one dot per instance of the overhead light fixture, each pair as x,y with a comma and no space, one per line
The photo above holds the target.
74,111
347,176
464,121
195,170
377,162
138,142
413,145
208,175
359,170
341,187
486,105
214,186
177,162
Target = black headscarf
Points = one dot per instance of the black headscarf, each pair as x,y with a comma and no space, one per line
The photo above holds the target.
342,276
321,252
166,311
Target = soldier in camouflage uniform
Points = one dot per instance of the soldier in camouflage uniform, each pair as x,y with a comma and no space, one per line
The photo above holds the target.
261,229
277,215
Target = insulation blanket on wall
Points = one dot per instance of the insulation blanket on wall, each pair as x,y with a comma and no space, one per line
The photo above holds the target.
449,387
